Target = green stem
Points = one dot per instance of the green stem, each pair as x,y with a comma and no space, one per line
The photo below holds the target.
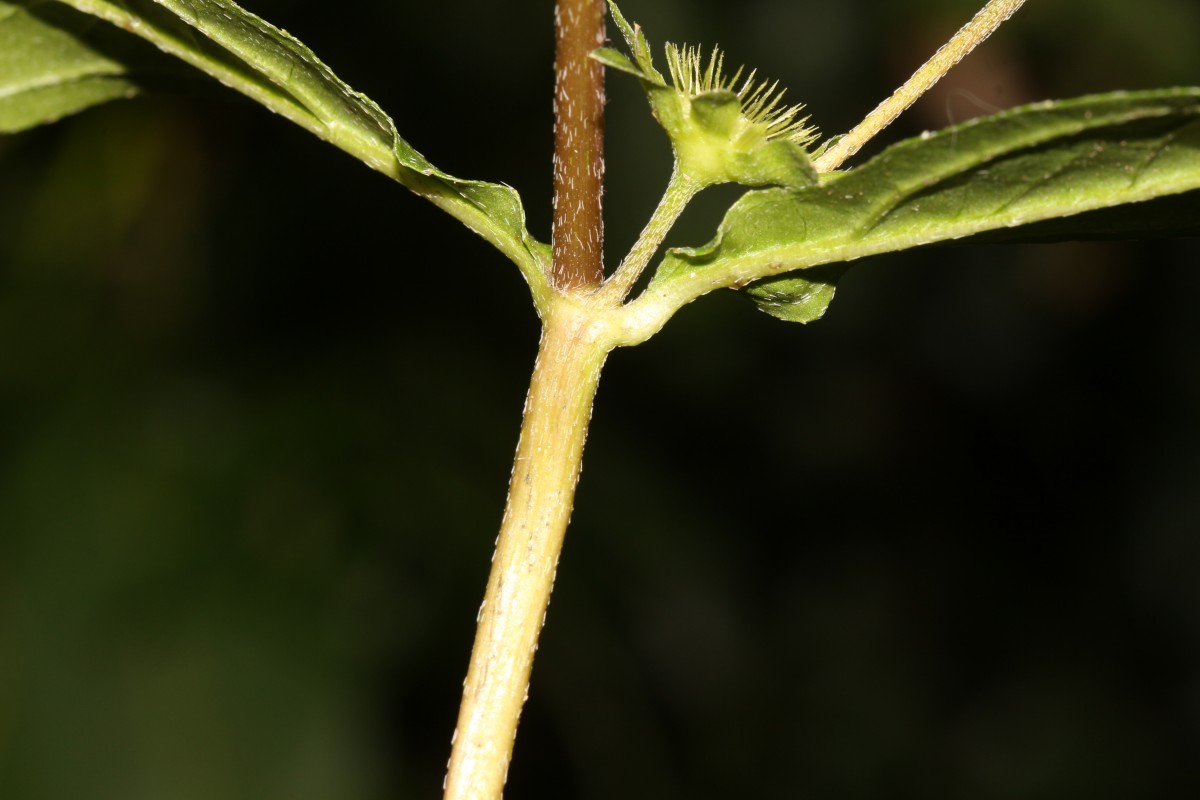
680,191
540,496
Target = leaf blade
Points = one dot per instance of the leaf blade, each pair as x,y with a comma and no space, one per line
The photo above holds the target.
276,70
1048,161
48,69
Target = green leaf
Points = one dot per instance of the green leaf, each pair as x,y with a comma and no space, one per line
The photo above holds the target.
1171,215
615,59
636,40
1049,161
271,67
803,298
52,65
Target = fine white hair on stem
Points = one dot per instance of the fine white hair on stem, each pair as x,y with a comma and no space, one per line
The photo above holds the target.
983,25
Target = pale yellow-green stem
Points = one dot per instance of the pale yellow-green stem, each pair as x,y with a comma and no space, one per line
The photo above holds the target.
580,326
989,18
572,351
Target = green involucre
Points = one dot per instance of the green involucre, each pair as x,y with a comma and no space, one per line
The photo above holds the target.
723,129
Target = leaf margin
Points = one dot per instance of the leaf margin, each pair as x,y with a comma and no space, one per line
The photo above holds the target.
78,76
493,211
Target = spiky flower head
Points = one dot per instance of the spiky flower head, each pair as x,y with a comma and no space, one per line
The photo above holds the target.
723,129
760,100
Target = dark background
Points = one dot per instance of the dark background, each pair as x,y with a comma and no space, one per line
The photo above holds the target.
258,405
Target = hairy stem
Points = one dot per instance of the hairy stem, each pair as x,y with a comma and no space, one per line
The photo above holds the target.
557,411
983,25
578,235
679,193
540,497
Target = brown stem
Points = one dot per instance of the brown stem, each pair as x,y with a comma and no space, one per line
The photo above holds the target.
578,145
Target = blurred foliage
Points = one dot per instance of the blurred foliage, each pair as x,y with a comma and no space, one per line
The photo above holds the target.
940,544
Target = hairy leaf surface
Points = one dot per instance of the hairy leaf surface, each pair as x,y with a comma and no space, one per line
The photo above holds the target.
1049,161
271,67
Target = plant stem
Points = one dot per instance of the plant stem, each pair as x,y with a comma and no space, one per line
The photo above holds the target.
540,497
578,236
984,23
680,191
557,411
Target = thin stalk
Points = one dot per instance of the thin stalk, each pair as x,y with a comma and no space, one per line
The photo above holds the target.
540,497
680,191
578,235
983,25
